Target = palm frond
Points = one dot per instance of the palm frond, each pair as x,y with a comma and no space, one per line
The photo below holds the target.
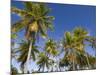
18,26
20,12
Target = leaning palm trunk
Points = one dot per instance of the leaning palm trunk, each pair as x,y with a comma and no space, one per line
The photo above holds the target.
28,57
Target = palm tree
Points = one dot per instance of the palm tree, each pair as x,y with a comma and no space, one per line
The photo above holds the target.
82,38
52,51
44,61
23,53
74,45
34,20
68,46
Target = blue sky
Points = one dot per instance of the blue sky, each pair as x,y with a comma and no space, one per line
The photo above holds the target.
67,17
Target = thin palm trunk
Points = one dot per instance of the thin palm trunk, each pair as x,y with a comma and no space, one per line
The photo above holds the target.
22,69
43,68
28,58
59,69
88,61
73,62
73,66
39,69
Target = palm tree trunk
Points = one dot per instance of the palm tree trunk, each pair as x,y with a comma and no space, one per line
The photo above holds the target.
28,57
73,64
87,61
43,68
59,69
39,69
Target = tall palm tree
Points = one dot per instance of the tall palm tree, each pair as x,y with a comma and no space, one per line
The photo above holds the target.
34,20
83,38
23,53
44,61
52,51
74,45
68,46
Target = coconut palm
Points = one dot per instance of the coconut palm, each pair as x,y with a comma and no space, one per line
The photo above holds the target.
44,62
23,53
68,46
83,38
52,51
74,45
34,20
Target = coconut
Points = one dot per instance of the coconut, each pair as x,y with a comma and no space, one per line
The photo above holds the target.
34,26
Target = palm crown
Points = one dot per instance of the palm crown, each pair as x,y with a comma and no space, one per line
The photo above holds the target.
34,20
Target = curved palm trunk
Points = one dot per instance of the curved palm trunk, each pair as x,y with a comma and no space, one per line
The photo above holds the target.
28,58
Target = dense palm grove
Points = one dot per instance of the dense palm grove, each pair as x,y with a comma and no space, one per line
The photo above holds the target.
35,21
